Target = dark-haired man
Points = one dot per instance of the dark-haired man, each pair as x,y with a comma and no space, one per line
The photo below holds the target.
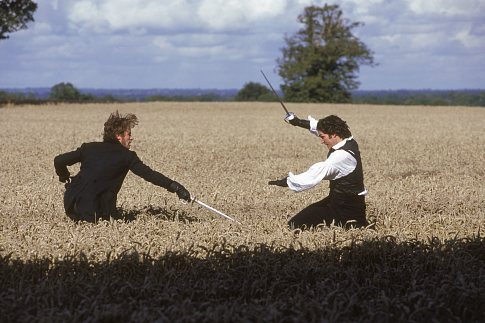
345,204
92,193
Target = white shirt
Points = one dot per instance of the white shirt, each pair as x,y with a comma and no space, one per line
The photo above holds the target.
339,164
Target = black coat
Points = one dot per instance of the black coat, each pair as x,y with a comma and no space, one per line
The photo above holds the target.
104,166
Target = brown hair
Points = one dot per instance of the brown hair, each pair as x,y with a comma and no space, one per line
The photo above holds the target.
117,124
333,125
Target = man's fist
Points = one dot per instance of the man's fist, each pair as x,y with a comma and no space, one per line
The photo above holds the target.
292,119
66,178
279,182
180,190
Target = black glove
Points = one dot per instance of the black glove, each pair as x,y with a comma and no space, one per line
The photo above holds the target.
181,191
279,182
65,178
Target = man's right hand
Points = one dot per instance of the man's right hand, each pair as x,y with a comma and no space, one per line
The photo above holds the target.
180,190
65,178
292,119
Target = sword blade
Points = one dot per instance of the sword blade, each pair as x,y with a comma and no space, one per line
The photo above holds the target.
214,210
274,92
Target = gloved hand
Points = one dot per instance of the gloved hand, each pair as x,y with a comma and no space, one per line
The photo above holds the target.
279,182
65,178
180,190
292,119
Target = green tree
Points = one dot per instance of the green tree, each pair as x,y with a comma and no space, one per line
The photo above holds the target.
320,62
14,15
65,92
253,92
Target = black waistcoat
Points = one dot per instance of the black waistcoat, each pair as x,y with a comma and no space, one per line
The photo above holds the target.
353,183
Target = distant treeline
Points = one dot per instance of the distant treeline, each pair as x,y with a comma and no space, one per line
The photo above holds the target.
391,97
422,97
22,99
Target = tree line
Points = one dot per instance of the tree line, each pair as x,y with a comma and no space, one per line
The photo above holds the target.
255,92
422,97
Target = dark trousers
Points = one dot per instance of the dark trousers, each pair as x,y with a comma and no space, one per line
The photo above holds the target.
342,211
105,205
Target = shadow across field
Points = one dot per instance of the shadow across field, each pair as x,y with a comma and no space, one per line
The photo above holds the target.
379,280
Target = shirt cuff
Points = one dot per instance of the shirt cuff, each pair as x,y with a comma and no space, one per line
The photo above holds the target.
313,125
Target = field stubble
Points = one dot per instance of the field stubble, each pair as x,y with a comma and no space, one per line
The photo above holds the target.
423,167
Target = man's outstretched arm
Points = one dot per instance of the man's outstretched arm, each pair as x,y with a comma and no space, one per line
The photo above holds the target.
154,177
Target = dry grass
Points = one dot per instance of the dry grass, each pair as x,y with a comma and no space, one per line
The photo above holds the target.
423,167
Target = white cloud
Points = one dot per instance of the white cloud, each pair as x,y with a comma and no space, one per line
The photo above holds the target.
424,27
88,16
436,8
182,14
470,8
217,47
469,39
221,14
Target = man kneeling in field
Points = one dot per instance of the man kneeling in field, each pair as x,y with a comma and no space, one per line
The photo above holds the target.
345,205
92,193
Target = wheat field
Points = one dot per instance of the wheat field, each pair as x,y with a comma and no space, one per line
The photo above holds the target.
423,259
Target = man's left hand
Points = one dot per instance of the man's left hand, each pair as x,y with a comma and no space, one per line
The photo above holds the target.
279,182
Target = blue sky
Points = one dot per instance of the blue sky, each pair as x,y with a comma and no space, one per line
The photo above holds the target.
418,44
